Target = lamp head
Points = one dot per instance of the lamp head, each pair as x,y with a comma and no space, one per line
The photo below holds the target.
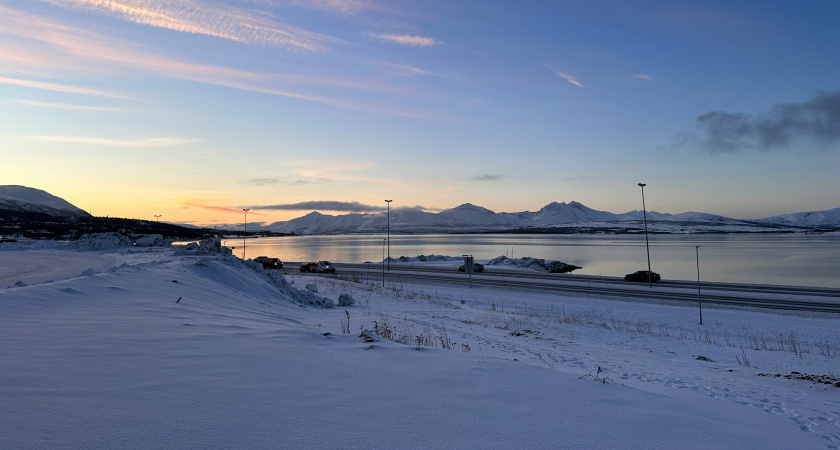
642,184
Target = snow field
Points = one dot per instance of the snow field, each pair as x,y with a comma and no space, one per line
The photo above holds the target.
112,360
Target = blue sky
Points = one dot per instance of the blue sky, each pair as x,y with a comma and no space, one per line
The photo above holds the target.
195,109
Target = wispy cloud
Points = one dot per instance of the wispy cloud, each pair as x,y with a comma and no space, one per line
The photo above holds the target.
192,202
91,49
817,120
335,206
493,177
339,6
67,106
133,142
60,87
571,79
643,76
402,69
322,205
410,40
275,181
343,171
190,16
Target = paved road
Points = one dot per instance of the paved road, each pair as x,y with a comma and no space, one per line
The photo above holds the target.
765,296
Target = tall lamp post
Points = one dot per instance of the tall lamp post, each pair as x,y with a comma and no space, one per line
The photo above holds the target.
157,217
647,243
389,233
246,231
699,304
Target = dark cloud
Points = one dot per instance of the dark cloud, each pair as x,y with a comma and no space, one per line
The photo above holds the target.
326,205
816,120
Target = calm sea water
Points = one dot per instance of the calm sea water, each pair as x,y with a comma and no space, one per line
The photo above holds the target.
801,259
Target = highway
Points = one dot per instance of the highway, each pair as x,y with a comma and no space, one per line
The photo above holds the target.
795,298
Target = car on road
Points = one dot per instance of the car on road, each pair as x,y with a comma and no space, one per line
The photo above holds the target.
476,267
269,263
318,267
642,276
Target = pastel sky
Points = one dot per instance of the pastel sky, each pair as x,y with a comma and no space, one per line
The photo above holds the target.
195,109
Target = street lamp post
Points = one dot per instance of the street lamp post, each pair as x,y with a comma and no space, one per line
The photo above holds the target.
383,261
157,217
647,243
246,231
389,233
699,303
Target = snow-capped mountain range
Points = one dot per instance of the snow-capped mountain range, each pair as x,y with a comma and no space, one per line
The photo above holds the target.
22,198
467,218
569,216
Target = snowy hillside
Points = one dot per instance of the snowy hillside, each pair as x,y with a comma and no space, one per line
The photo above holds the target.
158,348
22,198
829,217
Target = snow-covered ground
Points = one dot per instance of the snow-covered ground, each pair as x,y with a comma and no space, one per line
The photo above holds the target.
158,347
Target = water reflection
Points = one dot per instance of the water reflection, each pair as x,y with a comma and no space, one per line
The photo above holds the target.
808,260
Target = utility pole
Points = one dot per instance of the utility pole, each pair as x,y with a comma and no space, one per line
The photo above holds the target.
699,303
246,231
647,243
389,233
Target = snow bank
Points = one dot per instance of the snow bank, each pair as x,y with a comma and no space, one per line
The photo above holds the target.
153,240
536,264
209,246
213,247
346,300
304,297
427,258
101,241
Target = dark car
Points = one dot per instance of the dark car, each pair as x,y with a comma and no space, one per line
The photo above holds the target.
269,263
476,268
642,276
318,267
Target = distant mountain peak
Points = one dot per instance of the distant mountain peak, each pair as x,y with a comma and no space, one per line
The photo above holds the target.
36,200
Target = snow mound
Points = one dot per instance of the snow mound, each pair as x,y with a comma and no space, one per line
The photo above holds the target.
346,300
535,264
153,240
209,246
102,241
303,297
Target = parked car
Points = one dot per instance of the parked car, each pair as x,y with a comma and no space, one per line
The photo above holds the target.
642,276
269,263
476,267
318,267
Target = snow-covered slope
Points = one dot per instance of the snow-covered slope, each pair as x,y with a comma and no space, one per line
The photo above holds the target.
22,198
160,348
554,214
317,223
830,217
